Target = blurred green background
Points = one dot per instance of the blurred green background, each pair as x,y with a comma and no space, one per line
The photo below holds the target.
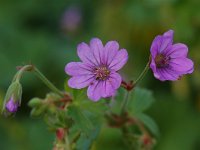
46,33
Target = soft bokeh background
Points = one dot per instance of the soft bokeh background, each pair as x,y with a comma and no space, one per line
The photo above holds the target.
46,33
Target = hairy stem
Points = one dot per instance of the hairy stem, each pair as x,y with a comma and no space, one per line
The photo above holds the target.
32,68
47,82
19,74
143,72
125,103
67,143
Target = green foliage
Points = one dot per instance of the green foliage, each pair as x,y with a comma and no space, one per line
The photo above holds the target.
50,111
30,35
85,141
140,100
116,103
149,123
88,119
39,106
82,121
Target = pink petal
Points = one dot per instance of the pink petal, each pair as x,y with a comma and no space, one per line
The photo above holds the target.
161,43
115,80
165,43
169,33
119,60
110,85
108,90
154,69
77,68
167,40
167,74
155,46
182,65
111,49
94,90
97,49
86,54
79,82
178,50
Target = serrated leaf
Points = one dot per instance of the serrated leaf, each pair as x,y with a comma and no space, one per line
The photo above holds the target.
149,123
115,104
140,100
80,118
79,95
85,141
96,108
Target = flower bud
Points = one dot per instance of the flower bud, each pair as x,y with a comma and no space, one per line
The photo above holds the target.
38,111
35,102
11,105
12,99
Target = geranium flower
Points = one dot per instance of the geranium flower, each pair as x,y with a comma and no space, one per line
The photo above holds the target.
169,61
98,69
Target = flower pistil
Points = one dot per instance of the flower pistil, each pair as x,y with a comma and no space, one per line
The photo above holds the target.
162,61
101,73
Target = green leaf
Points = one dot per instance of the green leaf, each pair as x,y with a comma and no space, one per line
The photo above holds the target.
115,105
86,105
85,141
149,123
87,116
79,95
140,100
80,118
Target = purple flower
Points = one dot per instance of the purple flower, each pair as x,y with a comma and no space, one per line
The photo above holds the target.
169,61
11,105
98,69
71,18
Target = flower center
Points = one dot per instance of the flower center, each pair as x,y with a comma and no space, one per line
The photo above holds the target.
162,61
101,73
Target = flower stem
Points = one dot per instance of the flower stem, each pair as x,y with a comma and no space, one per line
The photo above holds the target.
126,99
143,72
67,143
125,103
31,68
47,82
19,74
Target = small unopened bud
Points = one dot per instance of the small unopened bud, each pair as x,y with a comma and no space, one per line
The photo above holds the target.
12,106
147,141
38,111
12,99
60,133
35,102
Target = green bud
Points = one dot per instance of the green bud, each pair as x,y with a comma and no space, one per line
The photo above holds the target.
52,109
35,102
38,111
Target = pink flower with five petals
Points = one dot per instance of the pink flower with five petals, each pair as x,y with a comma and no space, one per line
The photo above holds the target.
98,69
